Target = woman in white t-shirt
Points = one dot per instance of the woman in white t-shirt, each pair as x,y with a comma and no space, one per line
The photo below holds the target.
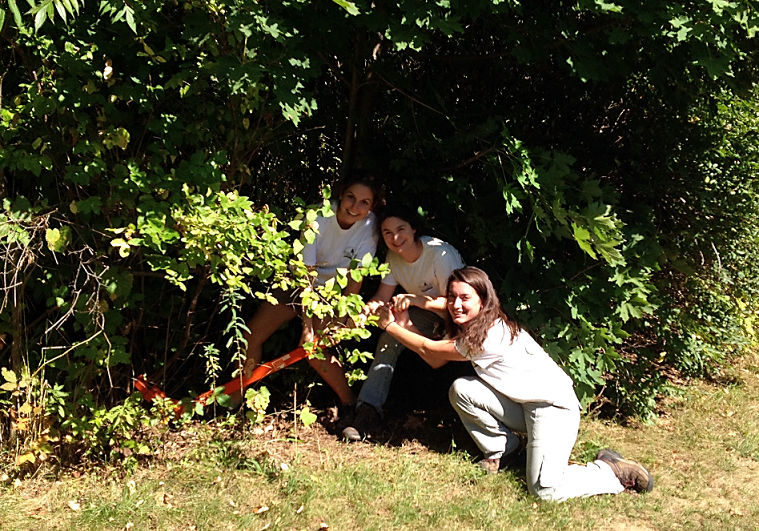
518,388
349,234
420,265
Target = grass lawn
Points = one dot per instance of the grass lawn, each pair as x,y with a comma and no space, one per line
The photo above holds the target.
703,452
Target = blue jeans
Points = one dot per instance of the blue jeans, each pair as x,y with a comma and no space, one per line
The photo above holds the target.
380,375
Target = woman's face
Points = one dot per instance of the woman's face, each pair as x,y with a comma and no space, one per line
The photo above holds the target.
398,235
464,304
355,204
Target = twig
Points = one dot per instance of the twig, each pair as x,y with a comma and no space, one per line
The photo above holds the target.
412,98
72,347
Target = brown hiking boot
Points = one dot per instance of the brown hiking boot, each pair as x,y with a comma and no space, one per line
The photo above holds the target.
631,474
366,421
515,459
490,466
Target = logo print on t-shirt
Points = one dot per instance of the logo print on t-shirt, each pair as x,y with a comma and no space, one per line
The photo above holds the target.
426,287
349,253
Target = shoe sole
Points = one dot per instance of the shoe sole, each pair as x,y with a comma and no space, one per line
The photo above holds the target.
617,457
351,434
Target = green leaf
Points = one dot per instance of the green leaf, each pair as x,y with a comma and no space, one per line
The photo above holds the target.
350,7
130,19
224,400
61,8
58,239
582,237
307,417
41,16
16,14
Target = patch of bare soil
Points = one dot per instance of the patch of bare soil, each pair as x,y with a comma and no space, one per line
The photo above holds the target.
417,418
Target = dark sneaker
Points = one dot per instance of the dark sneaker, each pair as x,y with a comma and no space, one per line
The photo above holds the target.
345,415
366,421
631,474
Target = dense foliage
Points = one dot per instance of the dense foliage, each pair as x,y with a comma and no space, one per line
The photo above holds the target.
597,159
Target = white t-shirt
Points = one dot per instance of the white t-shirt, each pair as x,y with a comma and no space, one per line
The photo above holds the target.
521,370
428,275
335,247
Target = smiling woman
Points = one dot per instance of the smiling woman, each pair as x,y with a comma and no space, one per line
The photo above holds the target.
420,265
355,204
349,234
518,388
463,303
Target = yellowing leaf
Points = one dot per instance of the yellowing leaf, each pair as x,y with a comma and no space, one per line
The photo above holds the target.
58,239
25,458
25,409
9,376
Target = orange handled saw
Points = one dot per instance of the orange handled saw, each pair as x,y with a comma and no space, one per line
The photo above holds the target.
151,391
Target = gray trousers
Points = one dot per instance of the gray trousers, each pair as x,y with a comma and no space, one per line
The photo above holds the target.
491,419
376,387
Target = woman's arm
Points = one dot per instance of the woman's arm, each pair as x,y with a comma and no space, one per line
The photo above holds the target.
438,305
380,298
436,353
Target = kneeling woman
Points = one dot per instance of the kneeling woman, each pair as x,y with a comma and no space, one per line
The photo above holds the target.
518,387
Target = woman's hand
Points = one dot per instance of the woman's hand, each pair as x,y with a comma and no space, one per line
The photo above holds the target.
403,301
370,308
385,315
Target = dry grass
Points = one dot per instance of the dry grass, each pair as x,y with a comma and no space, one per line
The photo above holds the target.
704,453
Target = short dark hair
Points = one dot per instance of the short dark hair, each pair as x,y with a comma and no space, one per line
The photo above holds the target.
407,214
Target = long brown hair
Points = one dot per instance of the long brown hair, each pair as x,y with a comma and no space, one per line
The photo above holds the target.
473,336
